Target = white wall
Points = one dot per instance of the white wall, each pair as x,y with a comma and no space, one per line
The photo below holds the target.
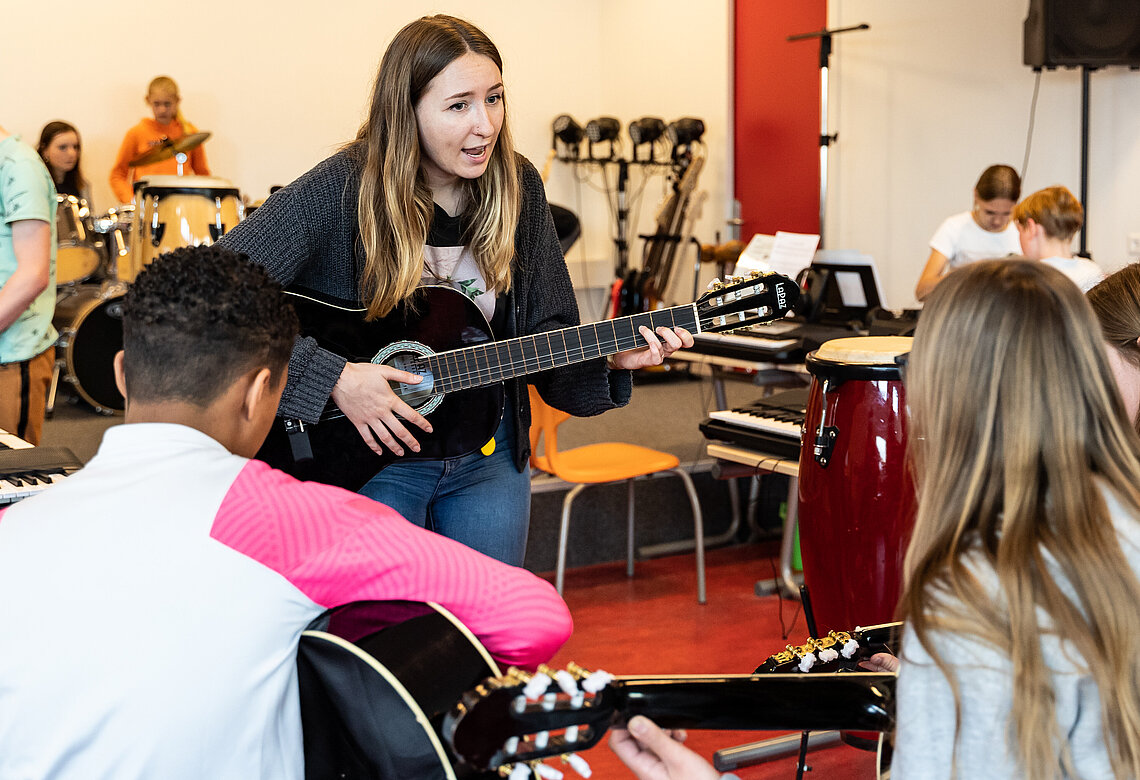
283,84
935,92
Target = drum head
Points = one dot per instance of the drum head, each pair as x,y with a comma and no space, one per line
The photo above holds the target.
859,358
94,335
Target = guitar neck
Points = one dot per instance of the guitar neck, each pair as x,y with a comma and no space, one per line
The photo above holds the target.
484,364
862,701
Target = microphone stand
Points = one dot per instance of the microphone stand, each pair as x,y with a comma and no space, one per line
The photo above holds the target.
825,138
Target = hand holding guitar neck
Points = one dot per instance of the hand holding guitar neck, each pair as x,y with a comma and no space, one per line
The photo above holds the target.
657,349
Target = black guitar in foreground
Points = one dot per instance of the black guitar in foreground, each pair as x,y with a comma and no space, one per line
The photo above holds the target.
402,690
447,341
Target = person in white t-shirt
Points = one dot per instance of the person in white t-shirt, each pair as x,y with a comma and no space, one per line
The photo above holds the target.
983,233
1046,222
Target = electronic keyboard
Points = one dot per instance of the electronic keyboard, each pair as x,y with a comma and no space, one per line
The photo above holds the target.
772,424
26,470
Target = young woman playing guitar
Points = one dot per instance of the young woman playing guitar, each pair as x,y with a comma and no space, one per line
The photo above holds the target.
432,192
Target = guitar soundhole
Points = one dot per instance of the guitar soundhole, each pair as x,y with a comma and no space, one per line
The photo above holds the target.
411,356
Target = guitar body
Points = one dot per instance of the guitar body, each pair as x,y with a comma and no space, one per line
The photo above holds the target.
375,681
463,421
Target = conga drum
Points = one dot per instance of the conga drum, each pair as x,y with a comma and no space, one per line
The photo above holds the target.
856,495
176,211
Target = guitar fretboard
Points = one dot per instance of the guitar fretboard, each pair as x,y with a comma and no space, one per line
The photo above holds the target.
495,361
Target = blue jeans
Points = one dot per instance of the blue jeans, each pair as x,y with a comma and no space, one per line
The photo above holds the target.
479,500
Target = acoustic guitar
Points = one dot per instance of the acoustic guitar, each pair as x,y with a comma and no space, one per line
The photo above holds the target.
402,690
445,339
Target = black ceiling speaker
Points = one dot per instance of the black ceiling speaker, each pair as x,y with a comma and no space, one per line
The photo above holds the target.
1076,33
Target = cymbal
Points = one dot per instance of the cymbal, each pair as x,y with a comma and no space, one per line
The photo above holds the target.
168,148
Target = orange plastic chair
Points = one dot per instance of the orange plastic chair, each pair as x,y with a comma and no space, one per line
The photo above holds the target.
595,464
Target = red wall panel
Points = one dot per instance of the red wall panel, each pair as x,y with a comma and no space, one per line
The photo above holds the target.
777,115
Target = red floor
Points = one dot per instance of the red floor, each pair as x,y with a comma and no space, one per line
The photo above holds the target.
652,624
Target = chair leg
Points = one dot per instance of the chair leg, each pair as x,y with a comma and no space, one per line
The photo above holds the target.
563,536
698,531
629,529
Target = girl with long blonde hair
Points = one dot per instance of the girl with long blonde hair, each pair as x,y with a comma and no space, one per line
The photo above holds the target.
432,192
1021,656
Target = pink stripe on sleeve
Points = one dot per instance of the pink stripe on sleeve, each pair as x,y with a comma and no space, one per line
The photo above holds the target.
337,547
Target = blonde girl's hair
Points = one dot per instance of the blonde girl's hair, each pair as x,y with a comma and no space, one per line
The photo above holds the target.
1016,427
395,203
1054,208
1116,303
166,84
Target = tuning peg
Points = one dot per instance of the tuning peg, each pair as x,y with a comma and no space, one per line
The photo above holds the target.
754,274
516,772
547,772
537,685
566,682
578,764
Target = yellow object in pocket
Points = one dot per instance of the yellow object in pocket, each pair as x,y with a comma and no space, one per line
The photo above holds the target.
489,447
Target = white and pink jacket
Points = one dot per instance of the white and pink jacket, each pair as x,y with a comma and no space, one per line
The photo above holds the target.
151,605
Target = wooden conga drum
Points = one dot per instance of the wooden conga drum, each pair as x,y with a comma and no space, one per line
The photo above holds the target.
856,495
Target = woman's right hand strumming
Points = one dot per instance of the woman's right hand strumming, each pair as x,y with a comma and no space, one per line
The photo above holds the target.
365,396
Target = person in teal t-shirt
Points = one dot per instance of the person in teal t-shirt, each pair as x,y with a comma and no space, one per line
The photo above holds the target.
27,287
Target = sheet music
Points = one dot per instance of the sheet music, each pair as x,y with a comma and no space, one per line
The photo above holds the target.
785,253
755,255
851,290
792,252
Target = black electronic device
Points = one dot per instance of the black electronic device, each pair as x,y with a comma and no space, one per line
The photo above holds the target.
838,288
1079,33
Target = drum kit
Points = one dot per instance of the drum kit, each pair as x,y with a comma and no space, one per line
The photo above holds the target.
99,257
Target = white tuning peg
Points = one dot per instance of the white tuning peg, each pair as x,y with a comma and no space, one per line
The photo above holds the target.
519,772
537,686
596,681
807,662
578,764
566,682
547,772
827,655
849,648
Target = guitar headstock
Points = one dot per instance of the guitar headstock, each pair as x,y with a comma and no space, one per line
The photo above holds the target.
519,719
747,300
838,651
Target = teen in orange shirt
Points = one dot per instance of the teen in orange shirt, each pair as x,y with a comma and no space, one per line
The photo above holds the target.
168,124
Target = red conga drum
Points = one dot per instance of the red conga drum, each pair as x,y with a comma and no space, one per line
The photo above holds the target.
856,495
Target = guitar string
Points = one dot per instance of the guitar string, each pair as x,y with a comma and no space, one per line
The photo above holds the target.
488,371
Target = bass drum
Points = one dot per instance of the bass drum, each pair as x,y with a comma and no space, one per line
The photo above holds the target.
89,319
